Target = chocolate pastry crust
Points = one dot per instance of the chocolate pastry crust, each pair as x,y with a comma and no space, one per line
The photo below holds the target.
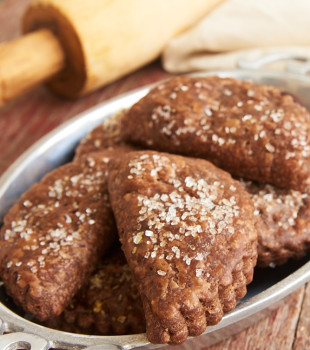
107,304
188,233
53,236
252,131
284,225
106,136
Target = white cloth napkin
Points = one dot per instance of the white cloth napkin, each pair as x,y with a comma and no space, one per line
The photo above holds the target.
241,29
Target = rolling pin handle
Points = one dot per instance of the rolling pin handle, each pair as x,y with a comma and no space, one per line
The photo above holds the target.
28,61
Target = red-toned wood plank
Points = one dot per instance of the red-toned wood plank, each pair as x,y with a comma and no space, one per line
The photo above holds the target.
302,339
275,332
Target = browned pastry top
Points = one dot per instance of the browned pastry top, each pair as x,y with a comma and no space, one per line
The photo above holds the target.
284,228
188,234
107,304
106,136
53,236
252,131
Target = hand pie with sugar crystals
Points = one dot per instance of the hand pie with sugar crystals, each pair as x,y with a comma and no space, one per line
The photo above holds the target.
188,232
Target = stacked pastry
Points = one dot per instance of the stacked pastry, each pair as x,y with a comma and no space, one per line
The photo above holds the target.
205,177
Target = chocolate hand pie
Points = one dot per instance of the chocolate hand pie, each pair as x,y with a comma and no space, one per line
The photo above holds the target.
188,232
284,230
252,131
107,304
104,137
54,235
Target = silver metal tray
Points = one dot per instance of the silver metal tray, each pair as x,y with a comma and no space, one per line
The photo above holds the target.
268,287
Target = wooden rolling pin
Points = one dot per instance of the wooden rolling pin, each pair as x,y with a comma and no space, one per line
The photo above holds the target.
78,46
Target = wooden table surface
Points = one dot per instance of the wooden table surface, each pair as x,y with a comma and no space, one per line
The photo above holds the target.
28,118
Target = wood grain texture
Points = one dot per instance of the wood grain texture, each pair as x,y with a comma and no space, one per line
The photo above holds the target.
276,332
34,114
302,336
